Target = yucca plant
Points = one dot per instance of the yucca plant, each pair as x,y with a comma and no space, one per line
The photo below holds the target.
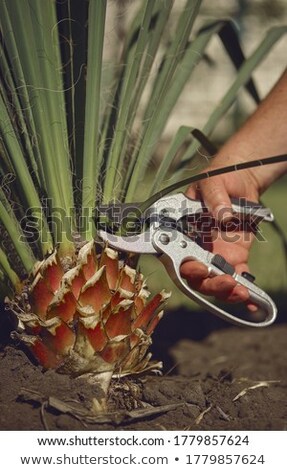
77,132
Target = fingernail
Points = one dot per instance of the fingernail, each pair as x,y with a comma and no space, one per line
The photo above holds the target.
243,293
252,307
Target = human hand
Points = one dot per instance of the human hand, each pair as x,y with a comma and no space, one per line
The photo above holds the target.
234,247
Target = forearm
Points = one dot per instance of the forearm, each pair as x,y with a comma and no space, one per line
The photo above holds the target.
264,134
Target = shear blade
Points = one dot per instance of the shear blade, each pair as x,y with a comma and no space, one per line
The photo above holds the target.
141,243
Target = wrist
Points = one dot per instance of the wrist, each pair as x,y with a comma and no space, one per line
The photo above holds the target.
239,150
265,176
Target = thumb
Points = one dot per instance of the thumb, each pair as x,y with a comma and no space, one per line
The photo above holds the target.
216,198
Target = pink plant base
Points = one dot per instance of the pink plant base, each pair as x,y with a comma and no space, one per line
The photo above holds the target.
93,318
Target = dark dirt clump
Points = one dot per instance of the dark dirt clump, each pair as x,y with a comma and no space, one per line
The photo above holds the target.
233,379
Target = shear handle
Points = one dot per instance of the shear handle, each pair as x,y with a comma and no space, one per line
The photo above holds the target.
175,248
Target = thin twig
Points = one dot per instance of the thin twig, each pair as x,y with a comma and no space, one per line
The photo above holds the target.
43,418
202,414
264,383
224,415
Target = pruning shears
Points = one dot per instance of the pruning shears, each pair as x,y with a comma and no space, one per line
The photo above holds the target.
173,229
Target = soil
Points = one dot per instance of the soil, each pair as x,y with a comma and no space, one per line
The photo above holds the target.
229,379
